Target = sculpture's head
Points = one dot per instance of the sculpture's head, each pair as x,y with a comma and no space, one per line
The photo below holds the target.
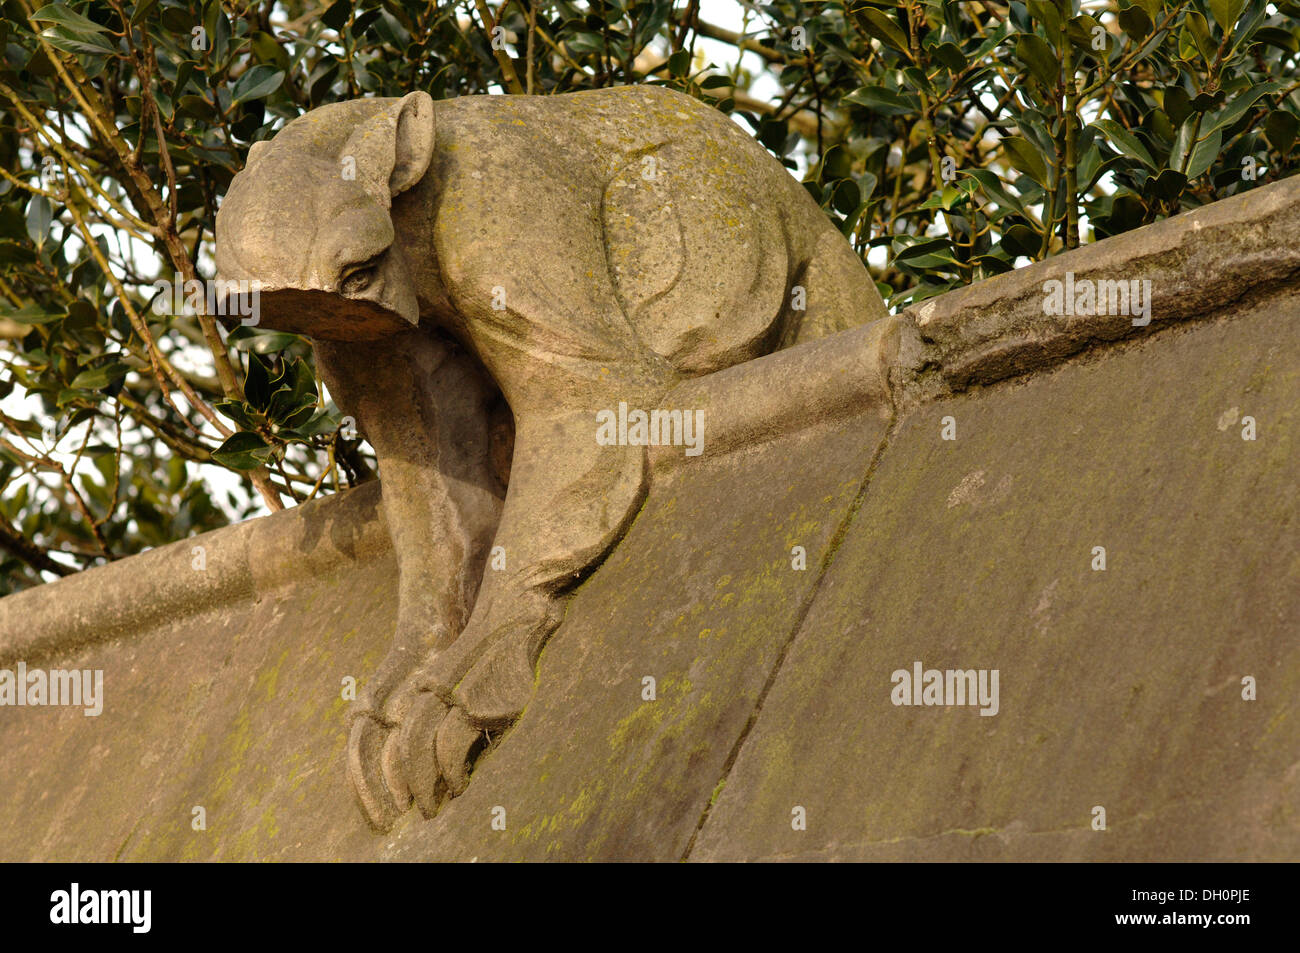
309,219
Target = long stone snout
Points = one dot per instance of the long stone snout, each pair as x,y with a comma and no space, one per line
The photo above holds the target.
324,315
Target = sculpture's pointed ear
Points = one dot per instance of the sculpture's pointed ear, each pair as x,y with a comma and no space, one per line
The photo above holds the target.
392,150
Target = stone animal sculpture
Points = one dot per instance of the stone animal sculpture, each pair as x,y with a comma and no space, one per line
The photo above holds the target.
496,268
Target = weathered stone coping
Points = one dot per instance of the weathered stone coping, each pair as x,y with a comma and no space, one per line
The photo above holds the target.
1198,264
241,563
782,393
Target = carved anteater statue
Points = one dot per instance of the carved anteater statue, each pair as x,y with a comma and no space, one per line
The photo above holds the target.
564,253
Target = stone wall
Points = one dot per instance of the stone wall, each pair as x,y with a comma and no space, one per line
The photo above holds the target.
1119,688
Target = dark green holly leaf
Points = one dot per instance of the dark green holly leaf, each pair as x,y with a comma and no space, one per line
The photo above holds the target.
1280,129
257,83
98,378
883,27
1042,60
1025,157
1125,141
242,451
257,385
886,101
337,14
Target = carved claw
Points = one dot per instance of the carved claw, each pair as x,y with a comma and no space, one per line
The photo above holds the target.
456,741
366,742
391,769
417,744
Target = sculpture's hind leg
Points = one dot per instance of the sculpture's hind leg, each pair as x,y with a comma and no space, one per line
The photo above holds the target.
838,291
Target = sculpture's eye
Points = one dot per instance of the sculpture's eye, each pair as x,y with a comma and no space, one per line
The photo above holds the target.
358,280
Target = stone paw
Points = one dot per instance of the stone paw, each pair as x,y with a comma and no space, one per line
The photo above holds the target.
422,743
422,751
441,731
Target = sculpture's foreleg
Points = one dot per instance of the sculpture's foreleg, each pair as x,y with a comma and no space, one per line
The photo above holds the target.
569,502
554,335
424,406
